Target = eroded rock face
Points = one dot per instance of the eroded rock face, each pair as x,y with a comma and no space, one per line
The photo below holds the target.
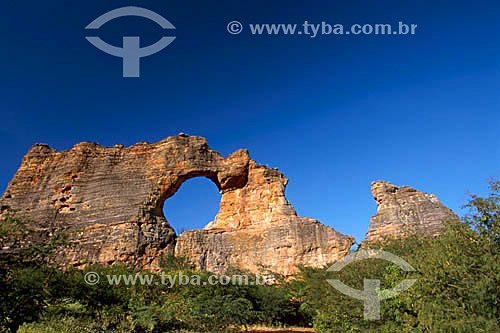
258,228
113,197
403,210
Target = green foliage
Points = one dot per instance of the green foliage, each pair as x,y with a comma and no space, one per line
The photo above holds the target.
169,262
24,273
484,214
329,308
457,274
27,242
57,325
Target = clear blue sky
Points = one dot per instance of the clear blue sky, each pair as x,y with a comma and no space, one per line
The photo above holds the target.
333,113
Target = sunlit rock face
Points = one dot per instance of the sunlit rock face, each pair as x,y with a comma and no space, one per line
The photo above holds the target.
257,228
404,210
111,199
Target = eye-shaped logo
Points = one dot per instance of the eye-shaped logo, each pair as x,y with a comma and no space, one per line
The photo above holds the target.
131,52
371,295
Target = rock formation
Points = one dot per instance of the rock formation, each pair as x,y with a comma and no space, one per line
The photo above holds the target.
256,225
403,210
111,200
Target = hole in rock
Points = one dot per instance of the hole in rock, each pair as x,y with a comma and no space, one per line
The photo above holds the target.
193,206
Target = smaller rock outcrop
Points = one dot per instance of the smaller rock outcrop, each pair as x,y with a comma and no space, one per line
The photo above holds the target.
404,210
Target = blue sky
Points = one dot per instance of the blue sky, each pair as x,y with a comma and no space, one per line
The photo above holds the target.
333,113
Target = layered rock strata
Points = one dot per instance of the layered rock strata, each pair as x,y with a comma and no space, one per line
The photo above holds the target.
111,200
404,210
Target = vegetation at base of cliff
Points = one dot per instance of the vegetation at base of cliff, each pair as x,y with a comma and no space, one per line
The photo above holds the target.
457,274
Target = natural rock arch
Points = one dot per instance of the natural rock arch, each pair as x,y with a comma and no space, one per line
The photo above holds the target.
115,195
193,206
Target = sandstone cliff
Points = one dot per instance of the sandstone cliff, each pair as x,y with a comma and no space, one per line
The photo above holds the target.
403,210
113,197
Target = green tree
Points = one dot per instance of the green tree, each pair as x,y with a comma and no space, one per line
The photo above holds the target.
458,275
24,273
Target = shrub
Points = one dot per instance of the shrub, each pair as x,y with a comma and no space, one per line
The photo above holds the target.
458,275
